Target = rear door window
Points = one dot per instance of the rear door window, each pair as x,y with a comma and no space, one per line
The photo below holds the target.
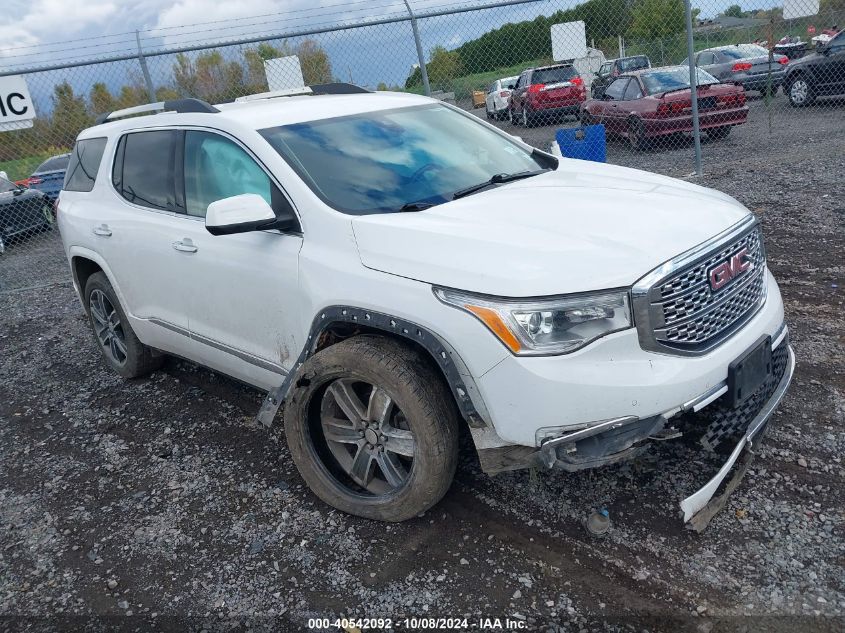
633,90
616,90
144,169
57,163
553,75
84,164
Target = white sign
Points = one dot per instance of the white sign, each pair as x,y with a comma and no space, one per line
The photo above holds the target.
799,8
283,73
16,108
569,41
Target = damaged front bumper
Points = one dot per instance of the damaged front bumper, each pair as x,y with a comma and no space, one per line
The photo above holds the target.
696,505
620,439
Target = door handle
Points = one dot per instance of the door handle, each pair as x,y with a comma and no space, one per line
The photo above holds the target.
103,230
185,246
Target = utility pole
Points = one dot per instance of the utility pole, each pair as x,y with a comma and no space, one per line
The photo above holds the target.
420,54
693,82
146,71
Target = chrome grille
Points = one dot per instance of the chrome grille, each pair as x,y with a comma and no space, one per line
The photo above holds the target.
680,311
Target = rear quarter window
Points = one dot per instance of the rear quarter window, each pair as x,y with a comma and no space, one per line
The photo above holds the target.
84,164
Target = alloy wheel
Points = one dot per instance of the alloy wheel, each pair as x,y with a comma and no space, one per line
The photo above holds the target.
107,326
372,443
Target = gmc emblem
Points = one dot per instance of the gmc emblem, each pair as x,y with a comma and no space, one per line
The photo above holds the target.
724,272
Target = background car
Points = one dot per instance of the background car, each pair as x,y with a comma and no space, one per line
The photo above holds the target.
746,64
22,212
612,68
498,95
48,176
821,73
647,104
543,93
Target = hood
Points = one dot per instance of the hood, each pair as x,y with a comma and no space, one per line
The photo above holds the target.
9,197
586,226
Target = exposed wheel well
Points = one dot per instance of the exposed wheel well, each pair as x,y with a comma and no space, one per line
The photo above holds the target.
429,348
83,268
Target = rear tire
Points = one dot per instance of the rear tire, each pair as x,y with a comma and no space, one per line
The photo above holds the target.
586,118
636,135
114,336
718,133
347,463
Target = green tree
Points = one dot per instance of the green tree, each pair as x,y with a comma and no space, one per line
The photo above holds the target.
100,98
444,67
734,11
382,86
315,64
70,115
185,75
656,19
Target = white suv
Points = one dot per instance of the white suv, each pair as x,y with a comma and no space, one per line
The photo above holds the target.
392,267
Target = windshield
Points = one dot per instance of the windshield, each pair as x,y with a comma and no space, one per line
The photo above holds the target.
377,162
53,164
632,63
742,51
676,78
556,75
6,186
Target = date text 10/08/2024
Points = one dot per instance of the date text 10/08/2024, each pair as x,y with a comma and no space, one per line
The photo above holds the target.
418,624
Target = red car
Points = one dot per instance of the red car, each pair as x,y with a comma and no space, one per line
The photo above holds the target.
654,102
541,94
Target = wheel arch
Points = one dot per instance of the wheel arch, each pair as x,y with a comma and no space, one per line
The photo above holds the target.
337,323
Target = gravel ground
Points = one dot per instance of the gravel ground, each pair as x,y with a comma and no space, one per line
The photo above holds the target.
159,504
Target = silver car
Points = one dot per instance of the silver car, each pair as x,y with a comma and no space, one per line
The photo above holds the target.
746,64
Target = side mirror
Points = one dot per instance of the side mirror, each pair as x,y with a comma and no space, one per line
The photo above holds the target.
242,214
510,87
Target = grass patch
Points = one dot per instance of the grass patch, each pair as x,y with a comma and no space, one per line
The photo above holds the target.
22,167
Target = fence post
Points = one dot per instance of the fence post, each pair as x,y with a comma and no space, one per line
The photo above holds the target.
693,82
146,71
420,54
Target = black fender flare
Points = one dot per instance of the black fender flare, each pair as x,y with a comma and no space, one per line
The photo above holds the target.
453,368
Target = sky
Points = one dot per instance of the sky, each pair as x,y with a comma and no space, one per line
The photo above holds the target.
38,32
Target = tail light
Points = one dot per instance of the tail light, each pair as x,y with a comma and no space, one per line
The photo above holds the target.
783,61
740,66
576,81
672,108
56,207
535,88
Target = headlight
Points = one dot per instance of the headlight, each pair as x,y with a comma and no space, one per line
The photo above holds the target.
554,325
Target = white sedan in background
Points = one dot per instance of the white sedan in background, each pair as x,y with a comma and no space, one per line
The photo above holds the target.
497,97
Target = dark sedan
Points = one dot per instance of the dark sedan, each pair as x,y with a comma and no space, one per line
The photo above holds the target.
648,104
23,212
48,176
746,64
819,74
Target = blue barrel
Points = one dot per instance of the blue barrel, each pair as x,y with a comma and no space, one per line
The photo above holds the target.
586,143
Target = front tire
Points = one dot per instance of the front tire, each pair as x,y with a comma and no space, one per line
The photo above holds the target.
800,92
373,429
115,338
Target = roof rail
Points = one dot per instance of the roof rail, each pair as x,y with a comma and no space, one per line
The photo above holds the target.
318,89
174,105
287,92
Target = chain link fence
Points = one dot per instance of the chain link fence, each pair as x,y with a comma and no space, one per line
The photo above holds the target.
604,79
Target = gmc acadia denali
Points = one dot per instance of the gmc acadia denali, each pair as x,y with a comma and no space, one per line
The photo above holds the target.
390,267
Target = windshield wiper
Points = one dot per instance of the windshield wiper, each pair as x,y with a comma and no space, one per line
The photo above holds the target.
496,179
416,206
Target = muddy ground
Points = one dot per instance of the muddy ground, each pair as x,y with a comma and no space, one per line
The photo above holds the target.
159,504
